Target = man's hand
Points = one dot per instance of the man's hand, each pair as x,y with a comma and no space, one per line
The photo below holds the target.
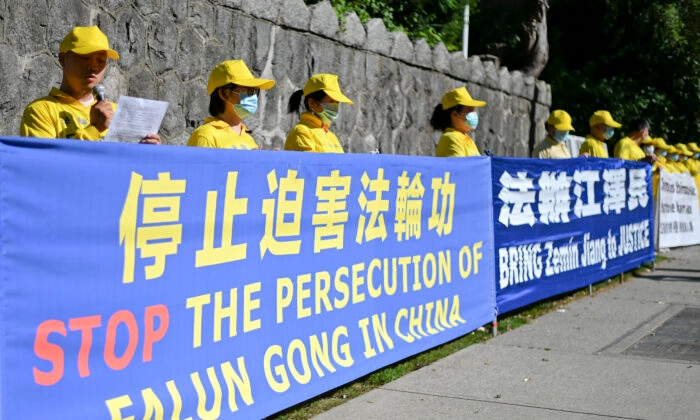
151,139
101,115
650,158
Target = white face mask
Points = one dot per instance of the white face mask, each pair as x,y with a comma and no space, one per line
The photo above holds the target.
649,149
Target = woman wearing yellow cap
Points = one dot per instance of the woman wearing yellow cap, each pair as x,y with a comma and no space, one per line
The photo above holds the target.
322,96
455,115
233,96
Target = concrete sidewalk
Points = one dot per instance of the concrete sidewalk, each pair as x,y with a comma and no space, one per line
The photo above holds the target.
629,352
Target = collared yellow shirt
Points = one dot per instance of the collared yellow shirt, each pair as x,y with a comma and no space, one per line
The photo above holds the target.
593,147
59,115
454,143
218,134
311,135
550,148
628,149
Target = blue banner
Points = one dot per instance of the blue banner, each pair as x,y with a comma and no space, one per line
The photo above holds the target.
174,282
563,224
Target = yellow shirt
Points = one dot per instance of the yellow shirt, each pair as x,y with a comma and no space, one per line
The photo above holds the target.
455,143
550,148
628,149
59,115
593,147
311,135
218,134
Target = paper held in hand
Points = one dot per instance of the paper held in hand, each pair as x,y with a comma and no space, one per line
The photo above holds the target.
135,118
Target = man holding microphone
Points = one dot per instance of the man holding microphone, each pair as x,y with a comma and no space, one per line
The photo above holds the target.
71,111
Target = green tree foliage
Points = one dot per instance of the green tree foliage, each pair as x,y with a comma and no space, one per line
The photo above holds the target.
631,57
434,20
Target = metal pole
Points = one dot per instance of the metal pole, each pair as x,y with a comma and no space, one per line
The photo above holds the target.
494,327
465,32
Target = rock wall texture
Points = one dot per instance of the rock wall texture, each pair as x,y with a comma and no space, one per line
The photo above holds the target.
168,48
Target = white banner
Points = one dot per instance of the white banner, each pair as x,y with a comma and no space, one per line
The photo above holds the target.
678,218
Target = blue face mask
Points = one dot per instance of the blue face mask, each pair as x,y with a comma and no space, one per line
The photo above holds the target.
663,153
696,155
609,132
472,120
247,106
673,158
560,135
329,113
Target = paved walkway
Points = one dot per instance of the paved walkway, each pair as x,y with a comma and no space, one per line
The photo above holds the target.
629,352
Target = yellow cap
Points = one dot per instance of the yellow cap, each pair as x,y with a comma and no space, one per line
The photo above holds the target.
236,72
672,150
683,149
87,40
648,140
694,147
603,117
660,143
327,83
459,96
561,120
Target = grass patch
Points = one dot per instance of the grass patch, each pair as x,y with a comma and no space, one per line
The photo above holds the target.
507,322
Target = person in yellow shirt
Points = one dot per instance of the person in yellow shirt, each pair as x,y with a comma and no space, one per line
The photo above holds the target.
602,128
628,147
456,116
686,158
674,160
71,111
322,97
661,150
553,146
695,159
233,96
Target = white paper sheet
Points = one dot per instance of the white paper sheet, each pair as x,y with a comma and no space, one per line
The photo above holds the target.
135,118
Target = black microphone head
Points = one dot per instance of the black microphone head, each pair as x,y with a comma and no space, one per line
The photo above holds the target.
99,92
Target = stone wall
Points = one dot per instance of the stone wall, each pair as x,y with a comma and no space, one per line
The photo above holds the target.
168,48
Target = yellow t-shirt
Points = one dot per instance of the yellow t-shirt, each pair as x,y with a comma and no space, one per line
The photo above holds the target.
455,143
311,135
59,116
549,148
593,147
218,134
627,149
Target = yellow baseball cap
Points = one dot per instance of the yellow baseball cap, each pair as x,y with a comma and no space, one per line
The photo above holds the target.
683,149
459,96
87,40
236,72
694,147
561,120
603,117
327,83
672,150
660,143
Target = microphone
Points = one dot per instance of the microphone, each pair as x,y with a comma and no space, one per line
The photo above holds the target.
99,92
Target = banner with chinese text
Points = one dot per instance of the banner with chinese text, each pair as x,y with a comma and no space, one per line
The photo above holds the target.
563,224
176,282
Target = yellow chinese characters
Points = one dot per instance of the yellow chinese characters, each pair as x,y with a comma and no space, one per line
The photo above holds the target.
444,198
331,211
227,252
409,207
161,233
279,209
375,227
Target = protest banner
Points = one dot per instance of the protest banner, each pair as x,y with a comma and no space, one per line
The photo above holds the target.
174,282
562,224
678,215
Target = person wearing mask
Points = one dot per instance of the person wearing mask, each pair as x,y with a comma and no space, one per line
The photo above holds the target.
685,157
602,129
322,97
71,111
553,146
695,158
233,96
628,147
456,116
674,160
